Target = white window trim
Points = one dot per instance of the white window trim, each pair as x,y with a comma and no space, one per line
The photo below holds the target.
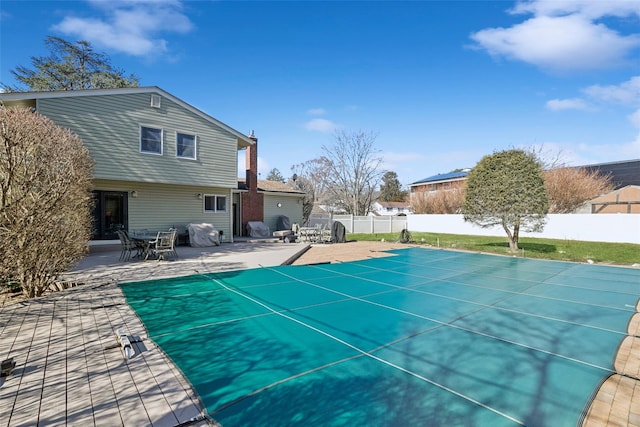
204,198
195,145
161,140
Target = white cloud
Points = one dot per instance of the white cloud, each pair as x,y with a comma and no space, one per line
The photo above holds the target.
317,112
634,118
626,93
562,35
576,154
131,27
589,8
320,125
614,152
567,104
264,167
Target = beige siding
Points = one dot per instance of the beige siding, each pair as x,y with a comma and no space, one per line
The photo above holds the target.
290,207
159,207
109,125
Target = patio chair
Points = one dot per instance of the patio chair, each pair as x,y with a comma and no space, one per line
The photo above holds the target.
164,244
325,234
127,245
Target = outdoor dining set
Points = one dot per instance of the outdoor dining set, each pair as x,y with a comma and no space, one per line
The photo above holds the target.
317,234
146,244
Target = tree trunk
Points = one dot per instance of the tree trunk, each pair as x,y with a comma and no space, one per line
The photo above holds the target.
515,237
512,236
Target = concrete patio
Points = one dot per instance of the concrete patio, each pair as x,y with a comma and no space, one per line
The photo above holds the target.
70,369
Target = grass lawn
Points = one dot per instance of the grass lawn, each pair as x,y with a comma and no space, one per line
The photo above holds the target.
555,249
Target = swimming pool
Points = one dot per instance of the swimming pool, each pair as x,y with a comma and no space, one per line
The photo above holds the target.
423,337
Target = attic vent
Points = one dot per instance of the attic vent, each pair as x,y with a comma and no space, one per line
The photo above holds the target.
155,101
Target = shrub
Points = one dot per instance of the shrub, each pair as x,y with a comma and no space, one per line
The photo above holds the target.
45,196
439,202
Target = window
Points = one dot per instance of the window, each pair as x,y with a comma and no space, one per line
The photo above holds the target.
186,146
150,140
214,203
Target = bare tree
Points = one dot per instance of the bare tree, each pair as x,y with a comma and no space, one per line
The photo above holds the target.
45,199
569,188
310,177
354,171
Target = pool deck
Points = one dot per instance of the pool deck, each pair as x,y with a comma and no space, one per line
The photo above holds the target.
70,369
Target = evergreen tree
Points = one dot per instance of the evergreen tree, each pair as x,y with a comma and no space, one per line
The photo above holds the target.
275,175
391,189
69,66
507,189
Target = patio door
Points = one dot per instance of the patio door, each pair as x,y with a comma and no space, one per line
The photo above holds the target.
110,214
237,215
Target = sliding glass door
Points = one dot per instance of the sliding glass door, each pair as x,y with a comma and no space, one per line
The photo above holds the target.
109,214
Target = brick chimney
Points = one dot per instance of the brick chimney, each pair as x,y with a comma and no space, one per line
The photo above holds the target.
251,162
252,201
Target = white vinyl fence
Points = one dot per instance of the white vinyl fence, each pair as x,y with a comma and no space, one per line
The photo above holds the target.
616,228
362,224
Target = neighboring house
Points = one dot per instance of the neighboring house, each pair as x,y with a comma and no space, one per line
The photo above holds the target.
380,208
440,182
622,173
622,200
278,199
159,162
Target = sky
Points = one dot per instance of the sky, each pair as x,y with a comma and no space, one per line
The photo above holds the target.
440,84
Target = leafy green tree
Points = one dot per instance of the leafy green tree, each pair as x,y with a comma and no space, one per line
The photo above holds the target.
507,189
391,189
275,175
45,200
69,66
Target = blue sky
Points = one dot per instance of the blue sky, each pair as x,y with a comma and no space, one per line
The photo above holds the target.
441,84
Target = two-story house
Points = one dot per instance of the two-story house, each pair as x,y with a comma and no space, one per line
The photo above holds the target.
380,208
440,182
159,162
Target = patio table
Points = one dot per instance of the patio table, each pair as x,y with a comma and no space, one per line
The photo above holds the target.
144,242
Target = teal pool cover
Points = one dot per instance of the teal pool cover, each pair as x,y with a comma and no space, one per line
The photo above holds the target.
425,337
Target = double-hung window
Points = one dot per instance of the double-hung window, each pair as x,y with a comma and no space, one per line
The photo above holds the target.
185,146
150,140
215,203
